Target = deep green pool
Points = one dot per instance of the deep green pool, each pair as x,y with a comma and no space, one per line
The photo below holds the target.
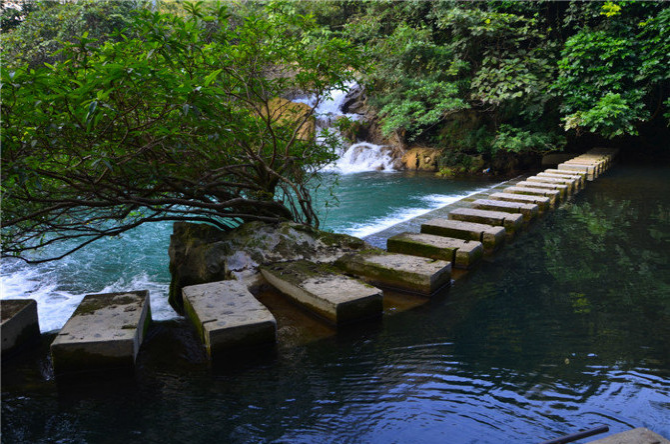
566,329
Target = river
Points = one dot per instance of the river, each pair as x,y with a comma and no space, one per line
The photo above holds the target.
566,329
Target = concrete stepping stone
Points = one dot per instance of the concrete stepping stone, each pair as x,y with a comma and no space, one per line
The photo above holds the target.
398,271
573,184
578,180
553,195
461,253
20,325
528,211
227,316
491,237
510,221
639,435
542,202
326,292
561,188
597,163
590,170
105,332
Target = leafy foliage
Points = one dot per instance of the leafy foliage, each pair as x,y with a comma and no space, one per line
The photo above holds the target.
172,118
552,72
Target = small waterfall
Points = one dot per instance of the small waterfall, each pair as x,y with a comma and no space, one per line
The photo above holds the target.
363,156
358,157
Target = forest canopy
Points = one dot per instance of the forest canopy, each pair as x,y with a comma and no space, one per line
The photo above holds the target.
119,113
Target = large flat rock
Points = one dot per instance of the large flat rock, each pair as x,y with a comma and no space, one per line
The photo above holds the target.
105,331
227,316
491,237
639,435
399,271
510,221
461,253
20,325
323,290
542,202
527,210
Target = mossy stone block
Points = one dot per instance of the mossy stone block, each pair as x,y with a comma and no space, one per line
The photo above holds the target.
105,332
399,271
227,316
20,325
461,253
325,291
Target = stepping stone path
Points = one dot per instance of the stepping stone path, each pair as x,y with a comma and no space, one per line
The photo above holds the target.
107,330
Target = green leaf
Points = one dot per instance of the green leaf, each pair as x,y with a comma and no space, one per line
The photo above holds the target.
212,76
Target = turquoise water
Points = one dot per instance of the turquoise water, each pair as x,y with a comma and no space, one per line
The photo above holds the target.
566,329
367,202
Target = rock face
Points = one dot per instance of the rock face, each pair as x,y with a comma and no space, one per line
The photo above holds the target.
201,253
421,159
283,111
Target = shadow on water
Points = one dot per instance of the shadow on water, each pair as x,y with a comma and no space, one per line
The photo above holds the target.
567,328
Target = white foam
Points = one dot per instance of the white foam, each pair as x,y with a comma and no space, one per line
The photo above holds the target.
363,157
433,201
55,304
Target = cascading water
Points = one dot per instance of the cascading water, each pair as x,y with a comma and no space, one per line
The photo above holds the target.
358,157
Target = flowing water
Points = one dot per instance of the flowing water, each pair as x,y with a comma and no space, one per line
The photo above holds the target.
566,329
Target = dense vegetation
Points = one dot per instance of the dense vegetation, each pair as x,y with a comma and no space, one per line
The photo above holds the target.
519,78
167,117
120,113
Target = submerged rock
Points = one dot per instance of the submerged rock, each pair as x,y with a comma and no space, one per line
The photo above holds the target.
201,253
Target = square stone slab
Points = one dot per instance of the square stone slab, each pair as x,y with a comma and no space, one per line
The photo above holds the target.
20,325
227,316
400,271
461,253
491,237
540,201
105,331
511,221
528,210
553,195
326,292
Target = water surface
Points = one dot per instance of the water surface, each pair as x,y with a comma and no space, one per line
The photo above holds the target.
567,329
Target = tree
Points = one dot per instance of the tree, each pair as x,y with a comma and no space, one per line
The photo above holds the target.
174,118
38,29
